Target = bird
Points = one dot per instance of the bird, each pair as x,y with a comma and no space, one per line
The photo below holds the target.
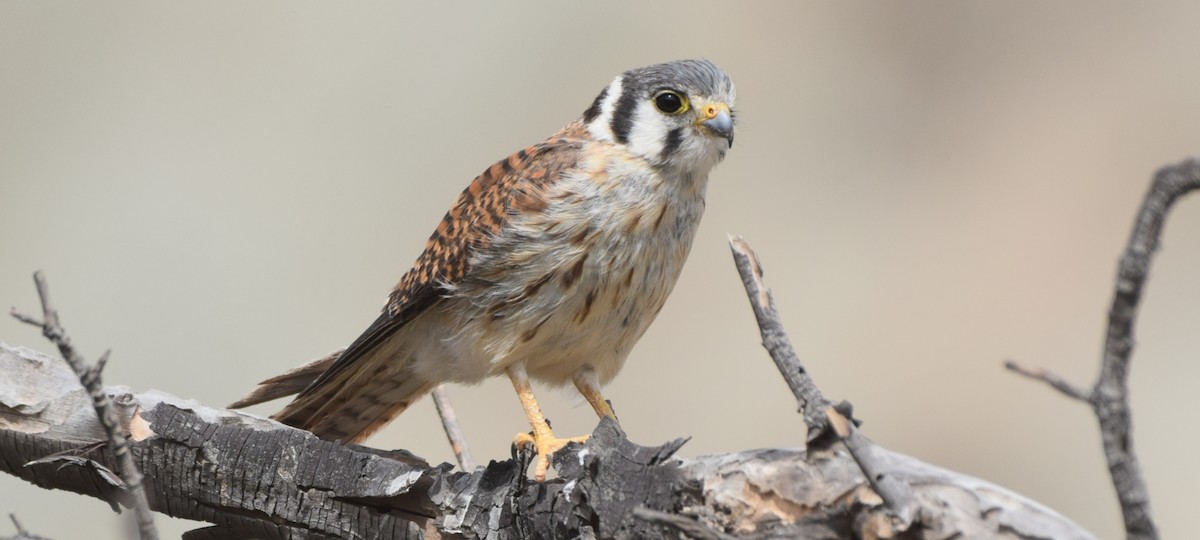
548,267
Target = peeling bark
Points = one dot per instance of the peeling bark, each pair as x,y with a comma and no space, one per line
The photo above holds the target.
251,477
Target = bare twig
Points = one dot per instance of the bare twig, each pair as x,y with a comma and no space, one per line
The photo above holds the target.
1056,381
454,432
90,378
1109,397
1112,392
810,402
25,318
22,534
821,417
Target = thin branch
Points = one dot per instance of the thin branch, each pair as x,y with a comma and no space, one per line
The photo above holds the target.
454,432
811,404
1056,381
90,378
821,417
1112,391
25,318
1109,397
22,534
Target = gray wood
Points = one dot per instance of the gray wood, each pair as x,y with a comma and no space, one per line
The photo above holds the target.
1109,396
250,477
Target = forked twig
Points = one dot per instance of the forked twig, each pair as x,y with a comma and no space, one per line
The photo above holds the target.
1109,397
90,378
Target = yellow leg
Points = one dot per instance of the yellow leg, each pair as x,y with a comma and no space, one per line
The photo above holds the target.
543,439
589,386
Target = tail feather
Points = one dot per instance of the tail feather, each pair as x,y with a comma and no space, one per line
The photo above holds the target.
289,383
351,405
366,412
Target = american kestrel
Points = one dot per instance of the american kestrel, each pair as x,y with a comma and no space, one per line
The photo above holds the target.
550,265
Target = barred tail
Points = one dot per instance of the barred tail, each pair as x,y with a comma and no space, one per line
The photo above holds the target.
352,404
291,382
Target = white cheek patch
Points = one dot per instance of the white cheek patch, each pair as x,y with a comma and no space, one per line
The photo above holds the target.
649,131
601,126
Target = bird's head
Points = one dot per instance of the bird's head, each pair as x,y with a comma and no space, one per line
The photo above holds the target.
676,115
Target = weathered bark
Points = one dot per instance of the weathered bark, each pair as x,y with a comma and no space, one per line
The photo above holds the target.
1109,396
254,478
128,473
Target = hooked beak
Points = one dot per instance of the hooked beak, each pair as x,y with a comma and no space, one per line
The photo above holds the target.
716,117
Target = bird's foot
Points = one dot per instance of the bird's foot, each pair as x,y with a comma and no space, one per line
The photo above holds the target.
545,445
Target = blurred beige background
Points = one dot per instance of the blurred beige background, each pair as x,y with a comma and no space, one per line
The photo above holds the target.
221,191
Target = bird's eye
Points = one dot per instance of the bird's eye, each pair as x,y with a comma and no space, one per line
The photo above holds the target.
670,102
